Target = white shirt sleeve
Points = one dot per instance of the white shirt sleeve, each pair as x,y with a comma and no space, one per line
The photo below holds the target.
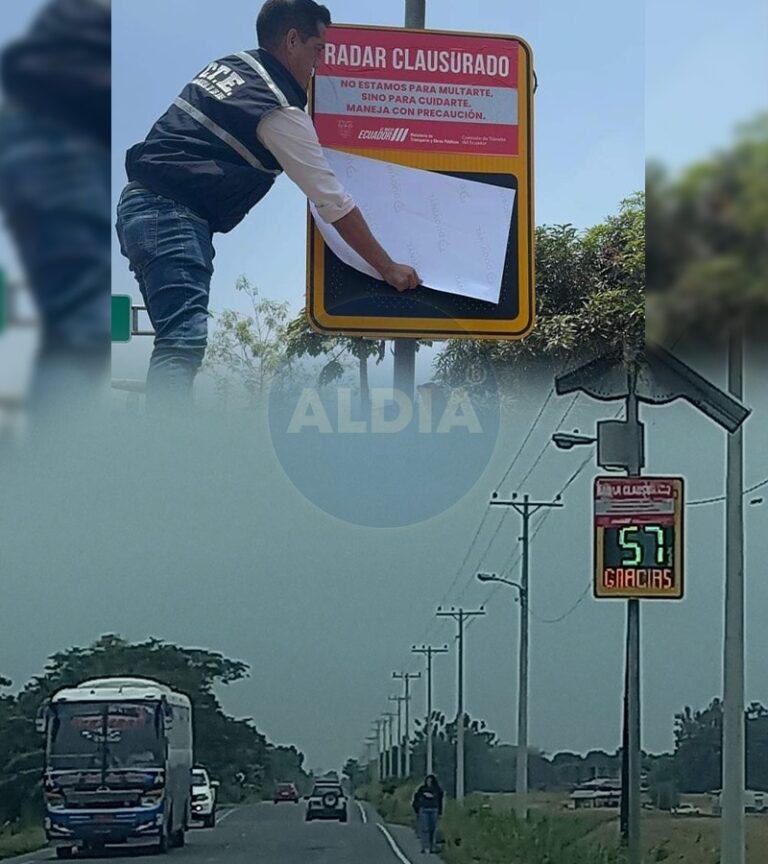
289,134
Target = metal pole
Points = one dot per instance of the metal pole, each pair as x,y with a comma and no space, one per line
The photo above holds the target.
377,740
460,616
521,785
526,509
460,716
634,746
429,652
405,349
415,14
399,760
732,824
407,755
430,754
406,678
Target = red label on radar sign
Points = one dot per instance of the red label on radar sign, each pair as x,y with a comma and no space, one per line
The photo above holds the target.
419,91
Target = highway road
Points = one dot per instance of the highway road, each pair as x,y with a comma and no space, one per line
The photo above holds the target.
271,834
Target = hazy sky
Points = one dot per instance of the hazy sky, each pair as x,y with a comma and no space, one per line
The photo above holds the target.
206,542
202,540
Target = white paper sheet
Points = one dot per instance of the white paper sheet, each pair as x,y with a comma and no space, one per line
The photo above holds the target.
453,232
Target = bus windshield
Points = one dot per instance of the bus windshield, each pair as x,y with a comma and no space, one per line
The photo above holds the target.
111,735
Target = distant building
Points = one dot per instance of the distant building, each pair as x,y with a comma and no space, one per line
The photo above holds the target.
602,792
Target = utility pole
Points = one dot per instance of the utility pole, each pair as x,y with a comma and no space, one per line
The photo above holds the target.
369,743
388,759
379,750
399,761
429,652
405,349
620,444
526,509
406,678
460,616
732,824
632,680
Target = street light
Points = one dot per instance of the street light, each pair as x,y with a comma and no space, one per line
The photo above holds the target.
521,758
569,440
492,577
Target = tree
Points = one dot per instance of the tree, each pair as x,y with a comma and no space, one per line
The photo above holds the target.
707,255
698,748
589,298
662,783
251,348
303,341
355,773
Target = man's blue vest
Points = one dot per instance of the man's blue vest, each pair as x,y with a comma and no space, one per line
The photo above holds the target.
203,152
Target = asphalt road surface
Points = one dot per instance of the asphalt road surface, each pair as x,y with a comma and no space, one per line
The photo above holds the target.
267,834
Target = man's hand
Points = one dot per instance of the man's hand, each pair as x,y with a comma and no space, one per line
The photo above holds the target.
400,276
354,229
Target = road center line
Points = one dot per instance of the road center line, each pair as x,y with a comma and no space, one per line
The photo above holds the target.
363,814
393,845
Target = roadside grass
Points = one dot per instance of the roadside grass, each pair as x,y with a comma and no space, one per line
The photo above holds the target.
485,831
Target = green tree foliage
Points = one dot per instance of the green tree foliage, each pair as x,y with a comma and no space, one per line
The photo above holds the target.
698,747
232,749
250,349
662,783
589,300
707,250
303,341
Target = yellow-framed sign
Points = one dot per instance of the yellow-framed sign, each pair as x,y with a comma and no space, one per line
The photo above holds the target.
456,104
639,537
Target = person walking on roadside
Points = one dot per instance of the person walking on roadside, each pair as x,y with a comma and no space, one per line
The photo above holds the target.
428,807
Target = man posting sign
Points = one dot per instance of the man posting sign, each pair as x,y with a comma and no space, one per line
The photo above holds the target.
207,161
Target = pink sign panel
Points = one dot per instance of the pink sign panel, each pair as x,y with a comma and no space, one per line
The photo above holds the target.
407,90
636,500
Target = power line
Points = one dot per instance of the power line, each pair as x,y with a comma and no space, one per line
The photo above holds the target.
461,566
717,498
528,436
548,443
573,608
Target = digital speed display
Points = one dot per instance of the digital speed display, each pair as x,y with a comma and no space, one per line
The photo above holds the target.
638,537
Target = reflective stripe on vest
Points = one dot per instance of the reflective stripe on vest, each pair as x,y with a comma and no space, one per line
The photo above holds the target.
257,67
220,133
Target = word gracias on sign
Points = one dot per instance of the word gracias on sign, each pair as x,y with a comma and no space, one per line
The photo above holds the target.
650,578
418,60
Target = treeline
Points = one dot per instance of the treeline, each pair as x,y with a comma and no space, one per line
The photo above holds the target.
235,752
693,767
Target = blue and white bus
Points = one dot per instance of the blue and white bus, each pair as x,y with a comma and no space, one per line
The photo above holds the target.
118,765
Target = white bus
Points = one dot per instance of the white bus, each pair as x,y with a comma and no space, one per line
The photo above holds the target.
118,765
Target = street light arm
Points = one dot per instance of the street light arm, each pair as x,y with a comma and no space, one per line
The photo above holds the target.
492,577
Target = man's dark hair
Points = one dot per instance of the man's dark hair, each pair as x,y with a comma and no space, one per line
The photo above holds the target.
277,17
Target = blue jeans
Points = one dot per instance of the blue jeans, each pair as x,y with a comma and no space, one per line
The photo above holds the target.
170,251
55,196
427,822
